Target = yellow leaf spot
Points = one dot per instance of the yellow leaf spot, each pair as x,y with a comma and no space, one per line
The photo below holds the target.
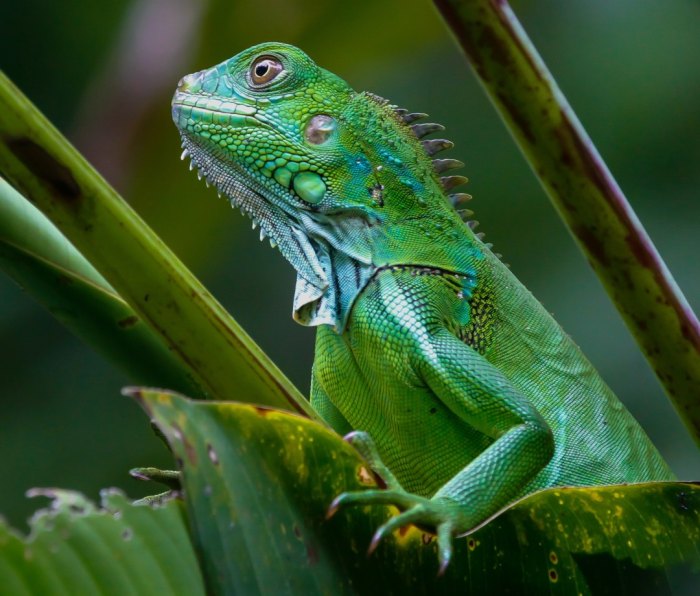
365,476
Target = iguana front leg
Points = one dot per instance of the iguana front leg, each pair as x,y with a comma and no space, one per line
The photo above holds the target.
482,397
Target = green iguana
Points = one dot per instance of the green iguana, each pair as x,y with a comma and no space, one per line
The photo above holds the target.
464,392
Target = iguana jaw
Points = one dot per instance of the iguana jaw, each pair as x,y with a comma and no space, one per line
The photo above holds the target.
274,221
301,240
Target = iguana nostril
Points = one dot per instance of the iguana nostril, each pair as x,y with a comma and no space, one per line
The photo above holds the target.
191,83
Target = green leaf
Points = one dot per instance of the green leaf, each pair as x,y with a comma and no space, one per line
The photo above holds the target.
35,254
259,481
225,362
585,195
77,548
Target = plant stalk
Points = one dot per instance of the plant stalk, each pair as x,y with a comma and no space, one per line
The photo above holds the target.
585,195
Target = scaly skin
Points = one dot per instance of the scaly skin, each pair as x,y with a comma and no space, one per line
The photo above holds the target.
468,394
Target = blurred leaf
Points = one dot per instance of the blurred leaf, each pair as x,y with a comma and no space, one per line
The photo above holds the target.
219,355
35,254
259,482
585,194
77,548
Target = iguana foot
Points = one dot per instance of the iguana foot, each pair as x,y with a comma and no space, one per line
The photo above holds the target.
439,515
442,515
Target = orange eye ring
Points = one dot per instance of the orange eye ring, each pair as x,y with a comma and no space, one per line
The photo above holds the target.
264,70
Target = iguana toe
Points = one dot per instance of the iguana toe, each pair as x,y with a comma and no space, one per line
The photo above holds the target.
438,516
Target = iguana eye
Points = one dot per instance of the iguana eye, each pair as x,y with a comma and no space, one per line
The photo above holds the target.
264,70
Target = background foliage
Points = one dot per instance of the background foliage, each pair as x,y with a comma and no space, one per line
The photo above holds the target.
104,73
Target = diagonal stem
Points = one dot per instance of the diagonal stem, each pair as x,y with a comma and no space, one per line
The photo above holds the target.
224,361
585,194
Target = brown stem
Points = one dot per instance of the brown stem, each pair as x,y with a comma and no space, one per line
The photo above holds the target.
585,194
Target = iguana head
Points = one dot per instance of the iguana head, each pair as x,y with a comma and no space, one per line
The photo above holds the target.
338,180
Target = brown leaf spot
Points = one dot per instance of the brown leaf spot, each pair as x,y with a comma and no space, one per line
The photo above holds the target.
311,555
190,451
518,118
128,322
462,31
262,410
499,52
44,165
590,164
593,245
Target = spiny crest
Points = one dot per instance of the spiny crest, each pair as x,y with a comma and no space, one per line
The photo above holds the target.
433,146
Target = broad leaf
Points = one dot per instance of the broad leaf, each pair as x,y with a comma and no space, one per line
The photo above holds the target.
119,548
259,481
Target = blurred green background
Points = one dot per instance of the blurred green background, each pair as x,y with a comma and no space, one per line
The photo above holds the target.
104,73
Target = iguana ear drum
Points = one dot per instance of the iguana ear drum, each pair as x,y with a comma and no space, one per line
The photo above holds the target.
319,129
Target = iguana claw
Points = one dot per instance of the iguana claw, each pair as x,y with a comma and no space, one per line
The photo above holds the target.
421,511
365,446
417,510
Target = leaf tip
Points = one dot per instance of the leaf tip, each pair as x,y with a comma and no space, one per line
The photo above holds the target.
132,391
